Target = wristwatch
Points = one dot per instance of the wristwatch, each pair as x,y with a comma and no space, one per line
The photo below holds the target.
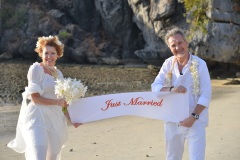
196,116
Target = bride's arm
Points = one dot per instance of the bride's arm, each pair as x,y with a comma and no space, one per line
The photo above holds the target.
38,99
68,117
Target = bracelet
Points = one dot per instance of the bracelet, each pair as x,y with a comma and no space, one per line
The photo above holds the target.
170,89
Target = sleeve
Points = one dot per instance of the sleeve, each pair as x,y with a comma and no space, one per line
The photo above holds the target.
34,79
159,81
205,85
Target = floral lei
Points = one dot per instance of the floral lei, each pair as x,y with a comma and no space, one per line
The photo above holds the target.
195,76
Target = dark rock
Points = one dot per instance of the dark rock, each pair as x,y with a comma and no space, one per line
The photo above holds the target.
5,56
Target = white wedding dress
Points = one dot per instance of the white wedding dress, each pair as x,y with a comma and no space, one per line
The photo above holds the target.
41,130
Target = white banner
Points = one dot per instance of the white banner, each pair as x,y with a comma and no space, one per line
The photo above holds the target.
156,105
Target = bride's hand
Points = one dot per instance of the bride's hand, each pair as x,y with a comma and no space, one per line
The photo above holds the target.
65,104
62,103
76,125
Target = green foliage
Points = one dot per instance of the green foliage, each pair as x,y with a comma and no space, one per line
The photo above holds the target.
63,34
196,10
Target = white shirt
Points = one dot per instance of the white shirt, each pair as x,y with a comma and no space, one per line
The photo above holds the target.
186,80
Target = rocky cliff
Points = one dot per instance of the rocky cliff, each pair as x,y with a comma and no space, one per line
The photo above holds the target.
116,31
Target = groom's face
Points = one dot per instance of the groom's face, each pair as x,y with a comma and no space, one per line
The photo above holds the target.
178,46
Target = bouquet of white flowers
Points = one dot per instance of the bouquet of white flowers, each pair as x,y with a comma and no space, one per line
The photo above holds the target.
69,89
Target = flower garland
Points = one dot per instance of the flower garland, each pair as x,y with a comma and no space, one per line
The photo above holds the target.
168,79
195,76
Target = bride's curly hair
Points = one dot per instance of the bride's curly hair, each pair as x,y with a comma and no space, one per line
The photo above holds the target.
52,41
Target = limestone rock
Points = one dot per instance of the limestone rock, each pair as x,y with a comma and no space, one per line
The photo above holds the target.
94,31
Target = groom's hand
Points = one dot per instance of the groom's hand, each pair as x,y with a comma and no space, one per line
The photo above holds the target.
179,89
188,122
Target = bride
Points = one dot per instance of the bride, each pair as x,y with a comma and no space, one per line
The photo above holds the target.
42,126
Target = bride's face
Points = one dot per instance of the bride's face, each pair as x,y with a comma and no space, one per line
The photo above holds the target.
49,55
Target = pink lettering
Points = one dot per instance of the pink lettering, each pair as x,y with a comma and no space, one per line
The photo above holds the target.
141,101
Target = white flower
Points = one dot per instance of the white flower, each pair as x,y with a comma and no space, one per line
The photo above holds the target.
69,89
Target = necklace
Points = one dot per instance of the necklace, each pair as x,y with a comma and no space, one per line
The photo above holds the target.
53,71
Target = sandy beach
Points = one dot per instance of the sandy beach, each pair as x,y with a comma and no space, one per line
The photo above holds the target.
137,138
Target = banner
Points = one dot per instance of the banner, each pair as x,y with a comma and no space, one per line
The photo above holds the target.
167,106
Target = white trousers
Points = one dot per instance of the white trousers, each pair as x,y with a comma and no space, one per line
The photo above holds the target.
175,137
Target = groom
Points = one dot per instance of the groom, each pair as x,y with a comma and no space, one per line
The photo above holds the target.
185,73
